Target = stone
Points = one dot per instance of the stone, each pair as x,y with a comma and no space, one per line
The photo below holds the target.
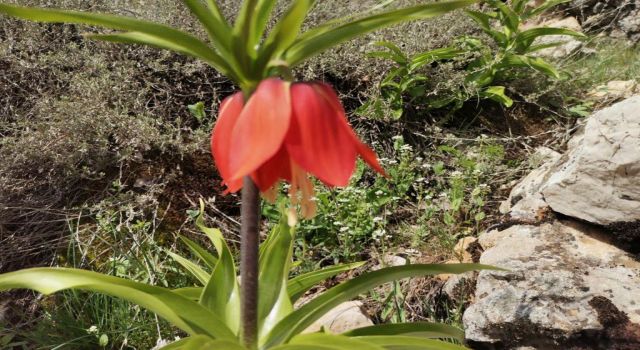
388,260
630,25
344,317
458,286
615,90
525,201
565,284
597,179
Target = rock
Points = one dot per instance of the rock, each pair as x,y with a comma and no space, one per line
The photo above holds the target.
597,179
569,44
615,90
342,318
630,25
388,260
564,287
525,201
458,286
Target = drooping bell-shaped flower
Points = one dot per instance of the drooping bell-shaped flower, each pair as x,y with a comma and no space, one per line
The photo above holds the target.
284,132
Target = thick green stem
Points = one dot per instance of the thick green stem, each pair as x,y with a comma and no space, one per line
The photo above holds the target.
249,235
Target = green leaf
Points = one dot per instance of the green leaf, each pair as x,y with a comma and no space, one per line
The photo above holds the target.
216,26
285,32
197,111
512,21
275,262
333,341
139,32
419,329
497,94
428,57
191,293
526,38
300,284
484,21
200,252
201,342
195,270
310,312
311,45
221,292
179,311
410,343
520,5
544,7
536,63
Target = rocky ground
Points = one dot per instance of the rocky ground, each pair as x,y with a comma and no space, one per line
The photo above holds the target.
570,247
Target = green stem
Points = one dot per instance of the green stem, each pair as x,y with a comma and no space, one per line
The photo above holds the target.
249,236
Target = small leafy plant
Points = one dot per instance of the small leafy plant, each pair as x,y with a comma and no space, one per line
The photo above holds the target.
273,130
512,47
209,312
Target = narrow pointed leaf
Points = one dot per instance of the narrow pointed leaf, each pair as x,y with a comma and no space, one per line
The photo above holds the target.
275,262
181,312
143,32
544,7
497,94
418,329
221,293
526,38
201,342
309,46
285,32
299,285
218,30
191,267
200,252
536,63
334,341
410,343
191,293
310,312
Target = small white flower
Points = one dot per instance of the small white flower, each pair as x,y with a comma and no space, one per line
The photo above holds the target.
337,223
344,229
456,173
420,179
406,148
92,330
419,159
426,165
377,219
379,193
397,137
392,162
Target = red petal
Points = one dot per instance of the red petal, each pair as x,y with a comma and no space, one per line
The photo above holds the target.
221,138
261,127
367,154
317,139
276,168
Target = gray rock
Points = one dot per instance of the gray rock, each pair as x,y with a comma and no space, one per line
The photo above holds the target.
559,276
597,180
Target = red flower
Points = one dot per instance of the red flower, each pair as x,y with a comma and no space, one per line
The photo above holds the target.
284,132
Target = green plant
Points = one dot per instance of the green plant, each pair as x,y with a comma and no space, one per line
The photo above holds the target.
512,47
209,312
252,60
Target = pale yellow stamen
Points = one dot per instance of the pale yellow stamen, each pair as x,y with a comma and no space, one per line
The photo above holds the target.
300,183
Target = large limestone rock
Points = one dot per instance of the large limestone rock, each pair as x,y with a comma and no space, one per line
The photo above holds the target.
565,289
597,179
